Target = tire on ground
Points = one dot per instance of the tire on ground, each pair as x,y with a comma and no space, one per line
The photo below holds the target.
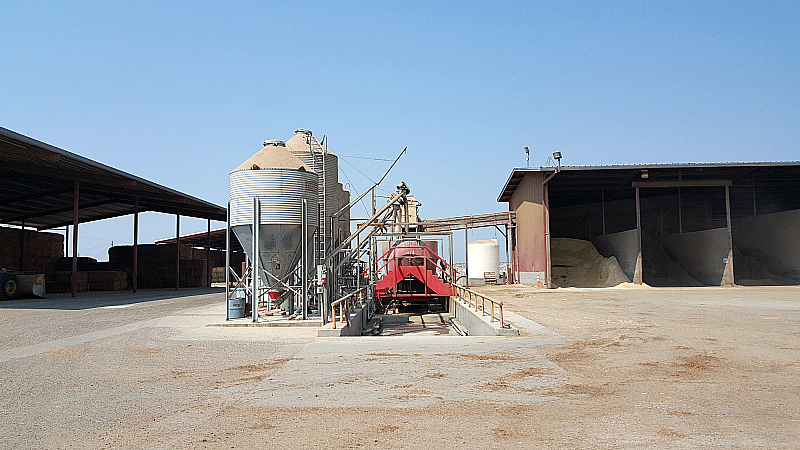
9,286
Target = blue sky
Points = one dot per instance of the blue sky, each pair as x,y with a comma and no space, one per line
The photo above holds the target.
181,93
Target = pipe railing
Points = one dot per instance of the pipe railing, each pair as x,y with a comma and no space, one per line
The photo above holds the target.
348,303
478,301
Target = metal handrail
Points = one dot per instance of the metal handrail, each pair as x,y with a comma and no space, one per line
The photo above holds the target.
348,303
472,298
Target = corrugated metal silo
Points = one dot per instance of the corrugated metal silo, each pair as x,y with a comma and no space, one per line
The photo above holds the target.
305,146
280,181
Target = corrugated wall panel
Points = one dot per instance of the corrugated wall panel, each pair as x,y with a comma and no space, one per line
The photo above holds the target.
527,202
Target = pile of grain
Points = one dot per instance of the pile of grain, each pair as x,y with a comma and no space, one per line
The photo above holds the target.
576,263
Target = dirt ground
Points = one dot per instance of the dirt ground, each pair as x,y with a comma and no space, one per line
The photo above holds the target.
651,368
641,368
677,367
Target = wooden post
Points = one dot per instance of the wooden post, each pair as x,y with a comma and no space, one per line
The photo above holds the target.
75,210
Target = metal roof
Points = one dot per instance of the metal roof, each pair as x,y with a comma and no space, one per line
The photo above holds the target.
200,240
621,175
37,188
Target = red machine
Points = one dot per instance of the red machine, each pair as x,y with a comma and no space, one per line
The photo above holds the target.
415,274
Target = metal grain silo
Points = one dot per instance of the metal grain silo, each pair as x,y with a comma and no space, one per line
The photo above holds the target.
280,181
305,146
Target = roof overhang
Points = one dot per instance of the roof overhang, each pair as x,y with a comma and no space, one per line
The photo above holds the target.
37,183
216,238
625,175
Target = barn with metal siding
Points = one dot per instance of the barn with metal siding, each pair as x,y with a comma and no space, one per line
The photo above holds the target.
665,224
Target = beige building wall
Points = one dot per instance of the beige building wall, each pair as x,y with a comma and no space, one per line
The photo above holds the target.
531,237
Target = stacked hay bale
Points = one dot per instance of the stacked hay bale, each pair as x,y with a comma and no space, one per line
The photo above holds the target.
36,251
156,267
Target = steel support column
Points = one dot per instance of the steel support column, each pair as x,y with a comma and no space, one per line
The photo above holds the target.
208,252
178,249
603,206
135,243
228,263
637,272
304,264
680,212
256,260
22,246
75,210
546,229
466,256
727,275
508,261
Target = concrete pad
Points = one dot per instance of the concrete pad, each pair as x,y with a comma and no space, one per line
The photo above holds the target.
411,372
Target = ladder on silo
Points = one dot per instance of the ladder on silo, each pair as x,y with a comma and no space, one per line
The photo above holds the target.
315,146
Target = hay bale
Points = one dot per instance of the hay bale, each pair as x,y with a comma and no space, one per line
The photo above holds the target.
107,280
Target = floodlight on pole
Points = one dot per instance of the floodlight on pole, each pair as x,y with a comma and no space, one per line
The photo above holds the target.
527,157
557,157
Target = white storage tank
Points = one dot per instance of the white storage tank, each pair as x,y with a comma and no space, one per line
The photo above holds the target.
483,261
280,181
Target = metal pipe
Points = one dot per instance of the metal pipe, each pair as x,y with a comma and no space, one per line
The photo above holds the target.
75,220
450,254
363,226
329,241
637,273
352,252
256,258
135,243
228,262
304,263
